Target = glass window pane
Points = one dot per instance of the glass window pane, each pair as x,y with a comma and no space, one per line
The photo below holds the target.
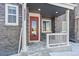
44,25
14,19
33,27
12,10
11,19
47,26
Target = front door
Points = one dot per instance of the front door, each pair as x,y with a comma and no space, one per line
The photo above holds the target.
34,28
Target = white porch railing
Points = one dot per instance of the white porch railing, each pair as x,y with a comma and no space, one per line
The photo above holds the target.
57,40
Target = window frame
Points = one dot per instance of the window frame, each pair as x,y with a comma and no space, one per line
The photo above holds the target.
6,15
42,25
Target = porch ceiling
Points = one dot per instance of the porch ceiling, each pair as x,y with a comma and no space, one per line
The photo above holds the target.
46,10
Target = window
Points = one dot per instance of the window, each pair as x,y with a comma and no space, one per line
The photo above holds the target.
46,25
11,14
64,26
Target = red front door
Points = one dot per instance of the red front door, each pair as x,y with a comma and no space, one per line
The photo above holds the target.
34,34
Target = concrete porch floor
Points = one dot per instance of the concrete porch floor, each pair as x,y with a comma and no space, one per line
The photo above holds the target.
73,52
39,49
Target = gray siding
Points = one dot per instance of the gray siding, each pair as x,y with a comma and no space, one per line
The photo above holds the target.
77,23
9,35
58,23
74,24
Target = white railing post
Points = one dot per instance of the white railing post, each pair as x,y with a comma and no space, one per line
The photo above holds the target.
47,40
67,19
24,15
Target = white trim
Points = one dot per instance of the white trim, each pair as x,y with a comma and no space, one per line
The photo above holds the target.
38,15
58,46
47,39
57,34
49,25
34,41
65,5
67,19
24,40
57,43
39,29
6,15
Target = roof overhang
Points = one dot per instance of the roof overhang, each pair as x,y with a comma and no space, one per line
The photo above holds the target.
65,5
47,10
50,9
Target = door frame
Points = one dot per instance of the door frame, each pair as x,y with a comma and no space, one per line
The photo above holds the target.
35,15
37,28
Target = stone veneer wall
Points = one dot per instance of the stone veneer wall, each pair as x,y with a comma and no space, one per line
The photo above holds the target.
9,35
58,23
77,23
72,25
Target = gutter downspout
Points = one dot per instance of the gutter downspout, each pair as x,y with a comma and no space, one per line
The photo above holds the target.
24,44
23,33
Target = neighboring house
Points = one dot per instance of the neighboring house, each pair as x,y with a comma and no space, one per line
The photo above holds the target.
35,22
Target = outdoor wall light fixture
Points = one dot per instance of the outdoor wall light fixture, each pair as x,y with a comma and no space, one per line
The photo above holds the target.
56,12
39,9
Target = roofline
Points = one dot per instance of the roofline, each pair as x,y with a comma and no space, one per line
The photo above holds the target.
72,4
65,5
